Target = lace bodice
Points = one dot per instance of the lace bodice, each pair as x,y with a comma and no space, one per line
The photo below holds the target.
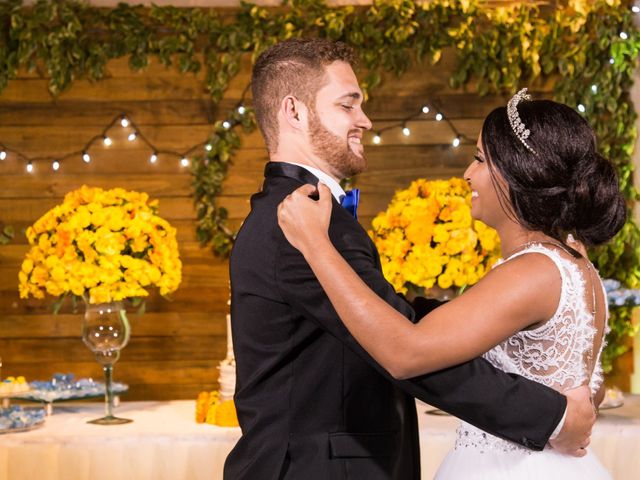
558,354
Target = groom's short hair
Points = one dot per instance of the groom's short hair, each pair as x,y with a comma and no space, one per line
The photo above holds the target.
293,67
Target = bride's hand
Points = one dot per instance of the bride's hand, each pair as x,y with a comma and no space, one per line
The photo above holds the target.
304,221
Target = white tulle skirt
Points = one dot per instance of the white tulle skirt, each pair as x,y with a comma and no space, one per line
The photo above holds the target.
469,463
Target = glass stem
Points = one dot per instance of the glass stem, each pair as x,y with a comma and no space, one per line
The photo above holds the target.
108,393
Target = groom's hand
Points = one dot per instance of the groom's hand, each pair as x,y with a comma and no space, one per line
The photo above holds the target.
576,431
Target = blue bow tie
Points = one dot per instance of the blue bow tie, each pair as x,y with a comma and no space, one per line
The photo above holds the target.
350,201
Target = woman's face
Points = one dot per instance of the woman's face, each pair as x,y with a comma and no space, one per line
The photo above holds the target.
485,204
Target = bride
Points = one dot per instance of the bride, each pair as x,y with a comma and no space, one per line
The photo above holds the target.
541,312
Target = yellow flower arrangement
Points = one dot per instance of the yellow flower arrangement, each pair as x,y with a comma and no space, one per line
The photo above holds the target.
427,237
210,409
102,245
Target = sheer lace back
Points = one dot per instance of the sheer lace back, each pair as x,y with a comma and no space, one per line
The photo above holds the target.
559,353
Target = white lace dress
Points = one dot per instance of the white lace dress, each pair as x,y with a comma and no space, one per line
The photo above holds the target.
557,354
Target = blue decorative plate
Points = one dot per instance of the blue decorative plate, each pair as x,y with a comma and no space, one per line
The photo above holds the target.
18,419
66,387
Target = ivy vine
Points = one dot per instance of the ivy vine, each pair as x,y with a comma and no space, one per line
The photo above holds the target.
579,44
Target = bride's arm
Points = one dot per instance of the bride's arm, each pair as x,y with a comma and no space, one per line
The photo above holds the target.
508,299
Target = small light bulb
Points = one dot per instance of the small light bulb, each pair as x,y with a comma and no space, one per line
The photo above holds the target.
594,88
226,125
406,132
30,167
132,136
612,61
153,158
581,108
456,142
85,157
184,162
635,9
124,122
208,147
55,165
623,35
3,154
425,109
241,109
377,139
107,141
439,116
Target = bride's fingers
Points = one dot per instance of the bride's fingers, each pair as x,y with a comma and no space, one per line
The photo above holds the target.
324,193
304,191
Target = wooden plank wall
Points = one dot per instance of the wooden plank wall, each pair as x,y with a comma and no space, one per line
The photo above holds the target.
176,346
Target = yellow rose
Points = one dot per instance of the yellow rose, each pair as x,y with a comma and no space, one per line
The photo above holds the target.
27,265
444,281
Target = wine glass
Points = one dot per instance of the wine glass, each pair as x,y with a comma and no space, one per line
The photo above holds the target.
106,330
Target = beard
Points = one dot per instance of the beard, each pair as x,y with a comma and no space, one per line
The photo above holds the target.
334,150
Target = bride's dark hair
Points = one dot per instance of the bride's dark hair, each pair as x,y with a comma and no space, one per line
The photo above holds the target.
566,186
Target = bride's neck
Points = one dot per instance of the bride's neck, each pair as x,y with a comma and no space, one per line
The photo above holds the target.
513,237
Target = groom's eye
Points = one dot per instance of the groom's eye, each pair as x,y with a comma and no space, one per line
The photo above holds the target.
347,107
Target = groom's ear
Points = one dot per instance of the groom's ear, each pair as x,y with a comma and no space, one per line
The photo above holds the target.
294,112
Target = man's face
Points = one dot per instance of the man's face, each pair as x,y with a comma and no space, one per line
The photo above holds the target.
337,123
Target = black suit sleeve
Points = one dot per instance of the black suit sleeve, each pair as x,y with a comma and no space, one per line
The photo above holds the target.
421,305
505,405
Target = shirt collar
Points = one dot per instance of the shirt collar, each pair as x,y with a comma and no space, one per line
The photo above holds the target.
336,190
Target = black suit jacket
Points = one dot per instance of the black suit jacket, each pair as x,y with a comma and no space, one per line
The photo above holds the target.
312,404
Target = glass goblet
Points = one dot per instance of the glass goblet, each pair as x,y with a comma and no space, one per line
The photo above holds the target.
106,330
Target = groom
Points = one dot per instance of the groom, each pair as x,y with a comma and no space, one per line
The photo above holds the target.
311,402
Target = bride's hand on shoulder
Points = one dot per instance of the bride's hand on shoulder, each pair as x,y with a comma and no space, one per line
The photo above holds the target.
304,221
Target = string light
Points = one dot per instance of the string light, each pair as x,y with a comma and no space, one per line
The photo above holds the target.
125,121
29,167
594,88
581,108
55,165
623,35
612,61
458,138
635,9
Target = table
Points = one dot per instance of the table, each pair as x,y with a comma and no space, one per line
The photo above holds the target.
165,443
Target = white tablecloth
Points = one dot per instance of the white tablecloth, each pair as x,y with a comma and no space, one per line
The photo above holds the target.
165,443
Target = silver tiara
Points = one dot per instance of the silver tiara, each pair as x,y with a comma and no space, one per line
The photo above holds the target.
517,126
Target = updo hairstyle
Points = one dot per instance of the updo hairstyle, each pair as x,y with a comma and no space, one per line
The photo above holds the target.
566,186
